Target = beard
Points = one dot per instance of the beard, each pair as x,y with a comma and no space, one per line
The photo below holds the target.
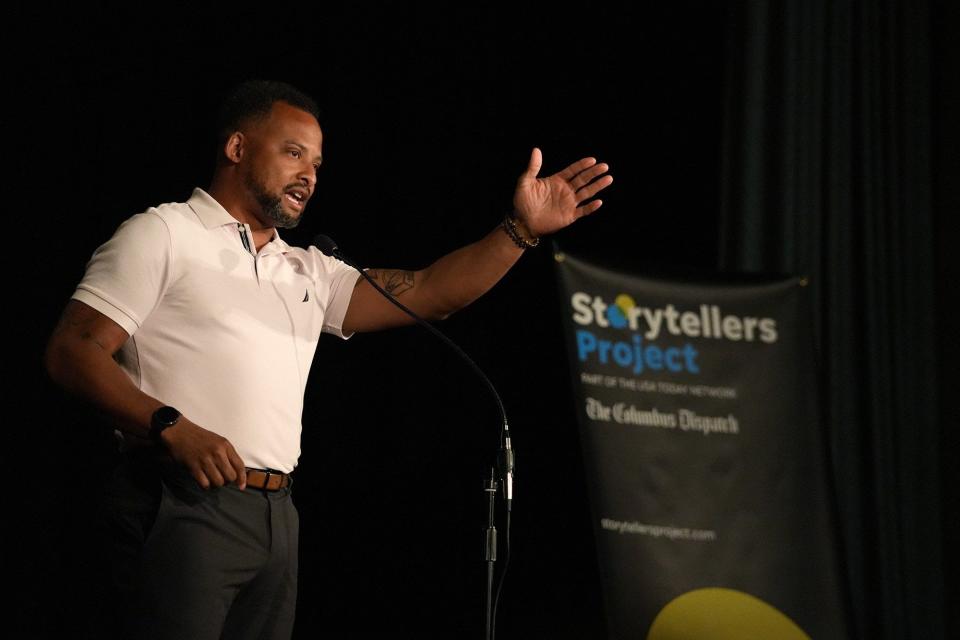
270,204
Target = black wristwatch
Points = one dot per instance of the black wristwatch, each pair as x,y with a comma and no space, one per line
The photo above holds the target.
163,418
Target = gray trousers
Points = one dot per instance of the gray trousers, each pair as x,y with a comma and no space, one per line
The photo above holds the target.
200,564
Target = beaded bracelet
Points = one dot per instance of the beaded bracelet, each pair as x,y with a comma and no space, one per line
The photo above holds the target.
510,227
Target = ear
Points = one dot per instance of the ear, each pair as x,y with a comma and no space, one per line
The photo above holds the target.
235,147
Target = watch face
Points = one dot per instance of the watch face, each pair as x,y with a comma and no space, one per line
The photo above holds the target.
166,416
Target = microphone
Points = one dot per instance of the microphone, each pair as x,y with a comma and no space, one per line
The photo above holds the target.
328,247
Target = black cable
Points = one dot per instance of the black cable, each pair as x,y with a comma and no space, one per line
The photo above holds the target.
328,247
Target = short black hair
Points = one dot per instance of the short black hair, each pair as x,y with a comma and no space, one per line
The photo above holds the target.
253,99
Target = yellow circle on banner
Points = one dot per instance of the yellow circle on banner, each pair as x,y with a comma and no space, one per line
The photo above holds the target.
722,614
625,303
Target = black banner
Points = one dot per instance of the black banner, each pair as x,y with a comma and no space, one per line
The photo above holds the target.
701,434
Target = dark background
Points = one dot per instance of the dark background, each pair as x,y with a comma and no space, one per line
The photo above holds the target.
428,117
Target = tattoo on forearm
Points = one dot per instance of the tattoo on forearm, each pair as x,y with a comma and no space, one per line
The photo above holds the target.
394,281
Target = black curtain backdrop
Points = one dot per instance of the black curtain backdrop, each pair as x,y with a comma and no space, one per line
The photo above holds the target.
946,125
827,167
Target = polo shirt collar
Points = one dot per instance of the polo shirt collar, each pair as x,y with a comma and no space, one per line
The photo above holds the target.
213,215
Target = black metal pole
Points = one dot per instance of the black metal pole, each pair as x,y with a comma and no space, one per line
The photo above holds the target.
490,548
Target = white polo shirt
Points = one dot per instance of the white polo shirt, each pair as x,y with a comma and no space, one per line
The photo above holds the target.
224,335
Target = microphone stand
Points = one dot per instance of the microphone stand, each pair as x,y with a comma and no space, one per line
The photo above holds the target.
490,487
505,458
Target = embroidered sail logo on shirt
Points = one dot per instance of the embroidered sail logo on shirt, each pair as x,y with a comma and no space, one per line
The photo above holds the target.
306,295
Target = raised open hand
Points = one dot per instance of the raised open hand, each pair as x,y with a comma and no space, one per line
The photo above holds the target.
545,205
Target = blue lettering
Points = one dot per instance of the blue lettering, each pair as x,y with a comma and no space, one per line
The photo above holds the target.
623,354
636,356
586,343
604,350
673,359
654,357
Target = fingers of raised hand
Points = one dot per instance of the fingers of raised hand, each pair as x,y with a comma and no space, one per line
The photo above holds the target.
533,166
575,169
590,189
587,174
589,208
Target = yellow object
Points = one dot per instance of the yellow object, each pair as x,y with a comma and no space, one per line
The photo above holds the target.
722,614
625,303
